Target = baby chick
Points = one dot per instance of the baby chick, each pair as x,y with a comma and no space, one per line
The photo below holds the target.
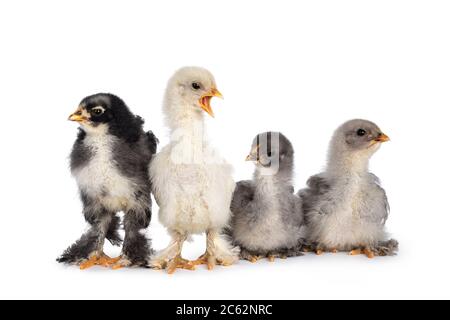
267,215
109,161
345,207
192,184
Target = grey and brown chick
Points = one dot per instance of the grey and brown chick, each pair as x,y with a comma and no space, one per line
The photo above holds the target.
345,207
267,215
109,161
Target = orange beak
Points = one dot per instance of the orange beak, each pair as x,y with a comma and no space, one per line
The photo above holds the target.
205,100
382,138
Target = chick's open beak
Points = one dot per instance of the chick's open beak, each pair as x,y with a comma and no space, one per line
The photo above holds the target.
382,138
205,100
253,156
77,116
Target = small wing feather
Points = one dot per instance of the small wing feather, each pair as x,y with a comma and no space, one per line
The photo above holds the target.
243,195
152,141
380,208
318,187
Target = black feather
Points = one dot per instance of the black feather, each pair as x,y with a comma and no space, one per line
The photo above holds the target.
131,156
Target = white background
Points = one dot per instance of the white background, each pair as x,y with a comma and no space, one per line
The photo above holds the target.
302,67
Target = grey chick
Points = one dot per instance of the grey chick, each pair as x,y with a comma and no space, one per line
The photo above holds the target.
345,207
267,215
110,161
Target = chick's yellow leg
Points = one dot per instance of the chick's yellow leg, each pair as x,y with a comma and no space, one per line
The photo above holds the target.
170,258
212,256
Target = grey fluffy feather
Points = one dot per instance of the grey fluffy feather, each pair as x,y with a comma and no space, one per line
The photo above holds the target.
345,207
267,216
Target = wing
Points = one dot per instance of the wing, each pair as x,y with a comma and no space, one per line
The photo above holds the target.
315,193
80,154
152,142
295,214
378,208
159,171
243,195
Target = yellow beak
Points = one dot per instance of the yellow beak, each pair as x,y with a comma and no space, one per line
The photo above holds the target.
205,100
77,116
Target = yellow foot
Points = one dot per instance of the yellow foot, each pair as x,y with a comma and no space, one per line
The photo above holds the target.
334,251
319,252
120,262
98,260
369,253
179,263
253,259
355,252
210,261
271,258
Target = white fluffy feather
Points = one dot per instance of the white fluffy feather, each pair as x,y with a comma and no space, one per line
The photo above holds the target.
100,178
192,183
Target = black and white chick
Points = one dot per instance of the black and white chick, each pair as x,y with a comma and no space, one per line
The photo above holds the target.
267,215
109,161
345,207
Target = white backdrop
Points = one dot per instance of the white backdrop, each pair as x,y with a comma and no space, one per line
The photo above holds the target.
301,67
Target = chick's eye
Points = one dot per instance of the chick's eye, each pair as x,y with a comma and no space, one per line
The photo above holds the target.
361,132
196,86
98,111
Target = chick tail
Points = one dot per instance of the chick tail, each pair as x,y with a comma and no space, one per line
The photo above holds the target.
387,248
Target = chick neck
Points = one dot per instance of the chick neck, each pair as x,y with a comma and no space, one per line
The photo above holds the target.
187,131
280,178
345,163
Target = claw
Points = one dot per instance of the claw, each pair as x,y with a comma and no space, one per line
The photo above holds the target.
89,263
355,252
120,263
158,265
369,253
211,261
206,259
179,263
253,259
117,266
102,260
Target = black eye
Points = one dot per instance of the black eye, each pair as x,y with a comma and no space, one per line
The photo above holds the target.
361,132
98,111
196,86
